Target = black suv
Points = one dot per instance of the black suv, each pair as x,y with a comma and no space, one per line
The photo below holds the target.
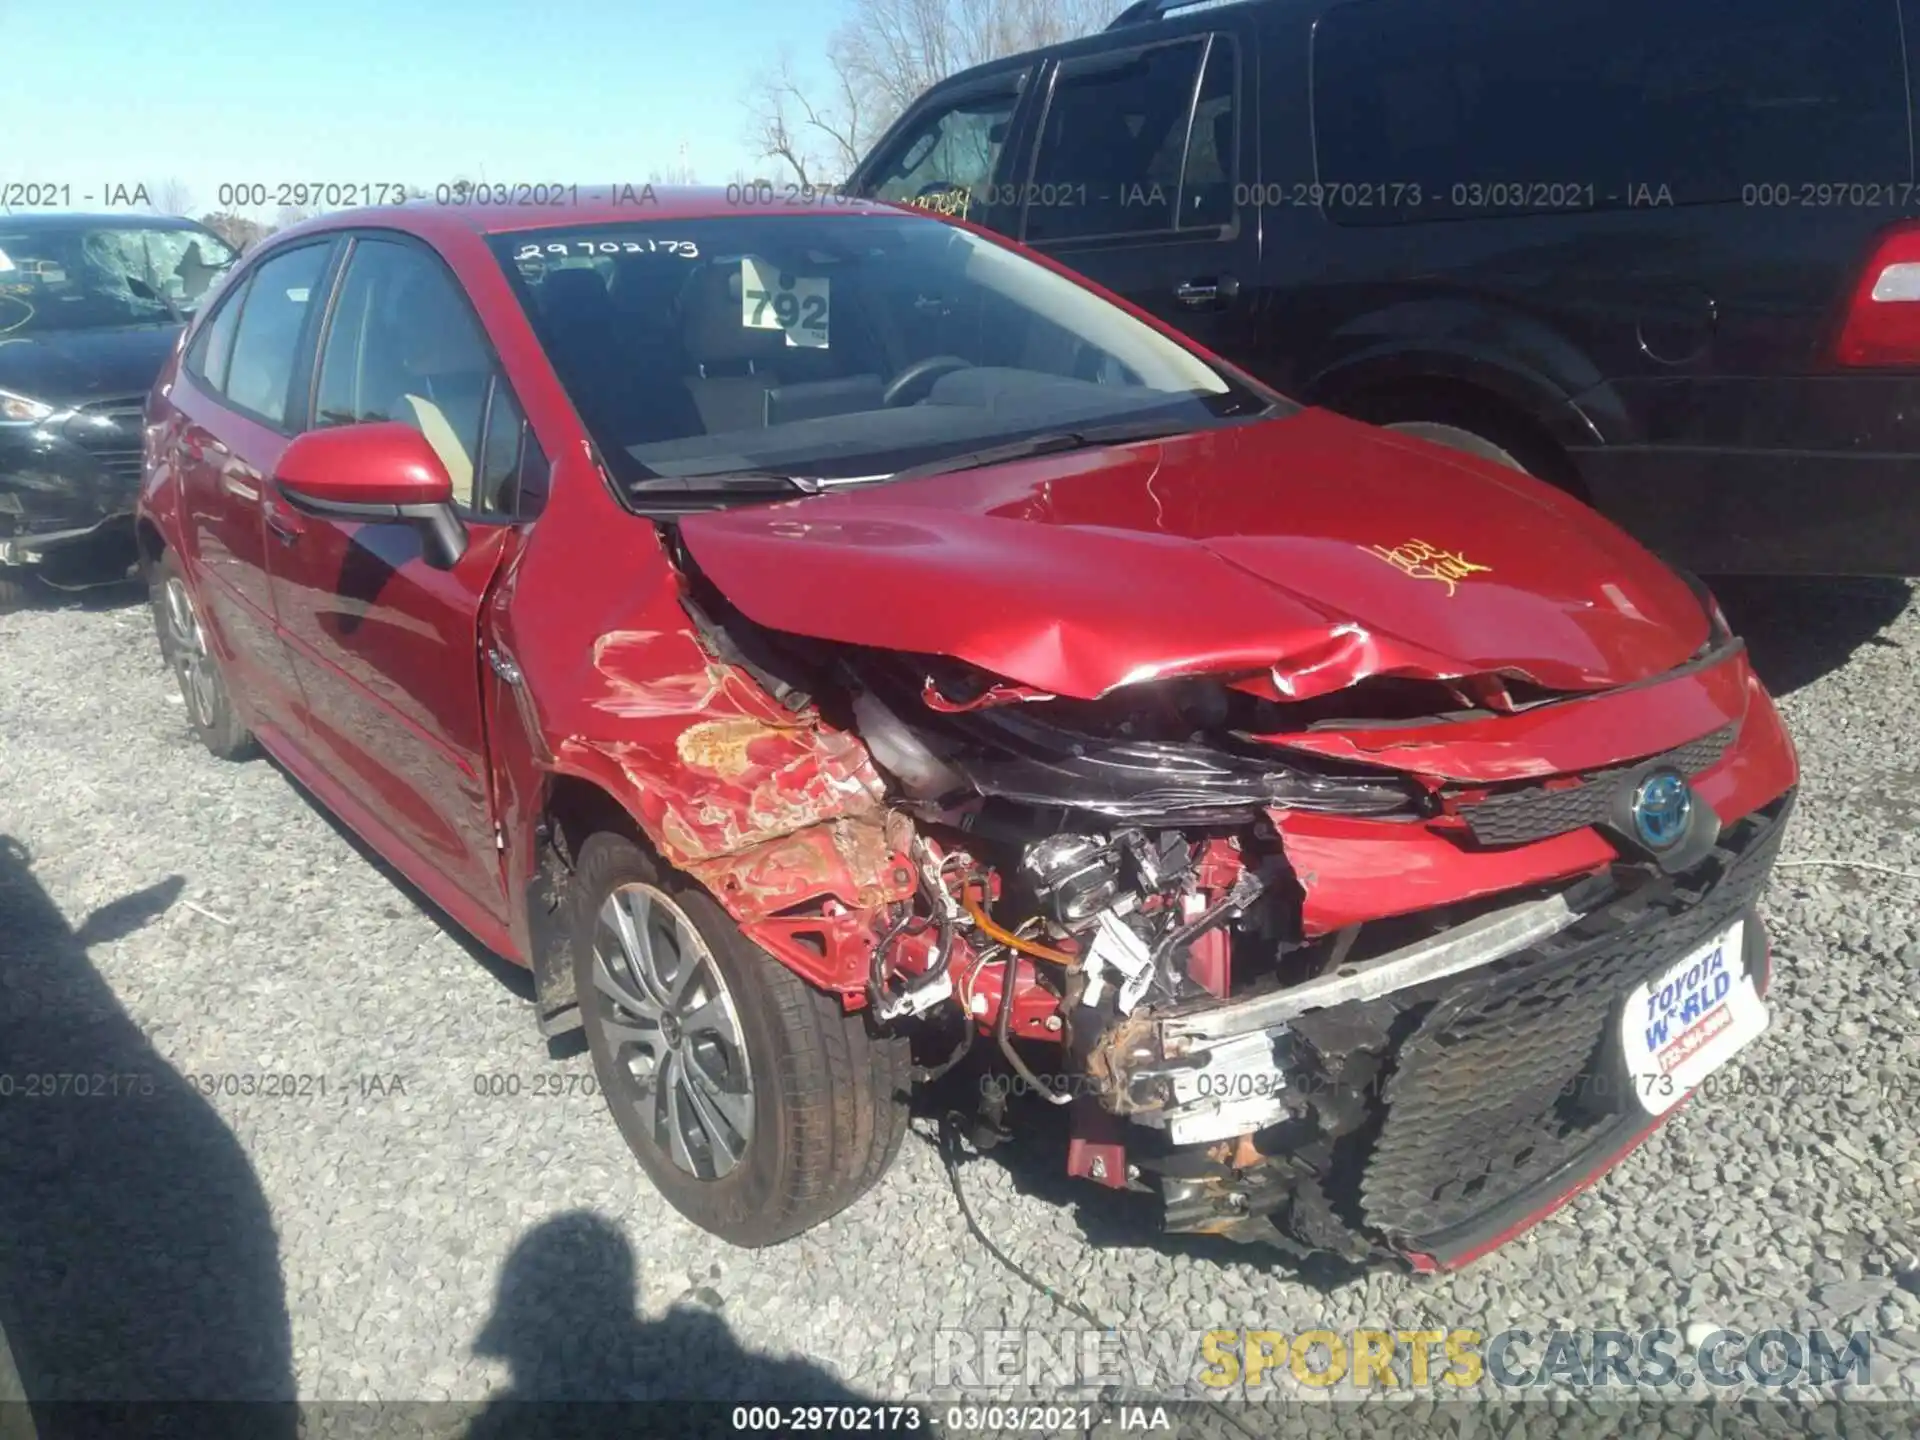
90,308
1660,252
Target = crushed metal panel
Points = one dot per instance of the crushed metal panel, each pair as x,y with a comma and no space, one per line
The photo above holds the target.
768,808
1351,871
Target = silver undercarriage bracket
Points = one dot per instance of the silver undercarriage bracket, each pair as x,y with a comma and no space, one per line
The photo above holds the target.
1216,1071
1478,942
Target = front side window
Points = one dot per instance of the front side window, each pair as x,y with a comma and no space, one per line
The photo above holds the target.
266,342
1122,134
1213,156
1485,108
212,348
403,345
837,347
512,478
97,278
947,158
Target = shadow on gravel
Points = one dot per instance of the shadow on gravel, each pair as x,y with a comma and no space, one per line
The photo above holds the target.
564,1320
1798,630
115,595
138,1260
1034,1158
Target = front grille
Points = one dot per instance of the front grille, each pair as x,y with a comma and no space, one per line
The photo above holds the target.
1521,816
110,431
121,465
1501,1081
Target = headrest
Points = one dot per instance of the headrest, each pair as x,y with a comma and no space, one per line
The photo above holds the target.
712,329
573,294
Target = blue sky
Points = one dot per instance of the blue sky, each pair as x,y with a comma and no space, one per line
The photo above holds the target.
99,92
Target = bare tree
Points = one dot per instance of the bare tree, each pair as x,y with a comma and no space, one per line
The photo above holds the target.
816,134
172,196
681,172
236,230
881,59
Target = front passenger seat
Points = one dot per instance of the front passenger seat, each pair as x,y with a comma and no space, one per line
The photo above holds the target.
443,381
733,363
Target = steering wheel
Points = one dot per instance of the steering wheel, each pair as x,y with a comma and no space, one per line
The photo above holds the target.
912,383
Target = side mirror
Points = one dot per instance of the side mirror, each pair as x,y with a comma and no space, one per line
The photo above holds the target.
381,473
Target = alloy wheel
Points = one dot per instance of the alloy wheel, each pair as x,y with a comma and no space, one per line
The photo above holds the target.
187,649
675,1035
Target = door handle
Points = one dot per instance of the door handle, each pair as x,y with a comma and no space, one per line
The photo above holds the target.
283,524
1206,293
238,478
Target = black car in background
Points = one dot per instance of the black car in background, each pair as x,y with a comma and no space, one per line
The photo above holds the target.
1660,252
90,308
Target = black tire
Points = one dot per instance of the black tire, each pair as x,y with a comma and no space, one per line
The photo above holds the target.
196,669
18,589
826,1094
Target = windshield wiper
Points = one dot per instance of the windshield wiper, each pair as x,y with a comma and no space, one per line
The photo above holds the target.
731,482
155,294
1051,442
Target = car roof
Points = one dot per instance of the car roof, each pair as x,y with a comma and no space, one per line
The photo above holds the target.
77,219
598,205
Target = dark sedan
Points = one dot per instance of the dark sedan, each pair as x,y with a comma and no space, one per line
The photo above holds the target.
90,308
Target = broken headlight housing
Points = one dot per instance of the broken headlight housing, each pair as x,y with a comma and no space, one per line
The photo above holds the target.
1015,754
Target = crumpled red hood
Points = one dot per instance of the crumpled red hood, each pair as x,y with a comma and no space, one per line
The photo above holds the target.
1314,548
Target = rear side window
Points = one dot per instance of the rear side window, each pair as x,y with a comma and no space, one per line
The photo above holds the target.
948,156
404,346
273,318
1125,149
212,348
1481,108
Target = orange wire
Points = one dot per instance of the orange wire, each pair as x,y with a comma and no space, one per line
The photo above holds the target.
1008,938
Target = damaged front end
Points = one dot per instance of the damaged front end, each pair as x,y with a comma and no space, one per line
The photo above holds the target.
68,481
1308,973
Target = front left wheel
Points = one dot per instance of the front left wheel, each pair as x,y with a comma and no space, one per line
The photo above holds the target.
756,1105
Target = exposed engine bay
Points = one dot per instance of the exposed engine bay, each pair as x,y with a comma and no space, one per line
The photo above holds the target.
1104,903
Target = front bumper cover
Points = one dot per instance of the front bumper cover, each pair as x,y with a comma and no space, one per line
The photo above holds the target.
1442,1096
68,487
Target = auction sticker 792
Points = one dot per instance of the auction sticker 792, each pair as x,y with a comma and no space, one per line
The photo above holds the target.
1680,1026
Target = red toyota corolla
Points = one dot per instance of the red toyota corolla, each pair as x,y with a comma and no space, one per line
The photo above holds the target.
823,641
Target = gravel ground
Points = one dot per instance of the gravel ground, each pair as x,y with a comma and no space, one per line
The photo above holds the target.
401,1236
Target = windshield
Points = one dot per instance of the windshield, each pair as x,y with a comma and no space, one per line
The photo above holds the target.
92,278
838,347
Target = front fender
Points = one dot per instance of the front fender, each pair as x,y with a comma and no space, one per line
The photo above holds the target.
780,815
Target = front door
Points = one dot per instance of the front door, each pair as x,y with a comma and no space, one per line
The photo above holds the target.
1141,178
388,648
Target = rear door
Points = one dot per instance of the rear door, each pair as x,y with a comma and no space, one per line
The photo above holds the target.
1143,161
234,418
388,647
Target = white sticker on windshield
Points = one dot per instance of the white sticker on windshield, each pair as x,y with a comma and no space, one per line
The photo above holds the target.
5,263
776,299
